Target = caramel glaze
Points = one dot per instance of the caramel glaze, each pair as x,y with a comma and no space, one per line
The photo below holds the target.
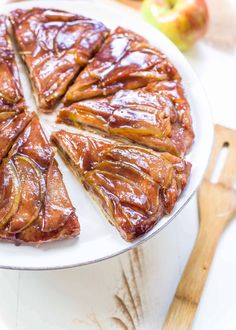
55,45
135,186
34,203
125,61
10,128
11,96
157,116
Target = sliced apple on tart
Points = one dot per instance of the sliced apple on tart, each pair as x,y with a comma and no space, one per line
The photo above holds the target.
57,219
34,203
32,193
11,95
155,119
58,209
134,186
9,191
11,125
55,45
125,61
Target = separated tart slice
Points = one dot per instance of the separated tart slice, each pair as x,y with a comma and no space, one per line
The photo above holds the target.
134,186
54,45
125,61
34,203
157,116
11,95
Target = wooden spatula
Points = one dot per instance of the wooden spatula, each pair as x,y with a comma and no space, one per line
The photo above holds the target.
217,206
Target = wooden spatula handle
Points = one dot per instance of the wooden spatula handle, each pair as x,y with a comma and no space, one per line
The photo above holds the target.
212,224
217,206
188,293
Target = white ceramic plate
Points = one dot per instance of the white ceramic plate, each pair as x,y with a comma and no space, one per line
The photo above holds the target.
98,239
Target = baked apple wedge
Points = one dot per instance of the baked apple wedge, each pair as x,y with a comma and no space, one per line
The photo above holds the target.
146,116
57,219
125,61
32,192
134,186
33,143
11,96
11,126
182,129
58,208
34,203
55,45
9,191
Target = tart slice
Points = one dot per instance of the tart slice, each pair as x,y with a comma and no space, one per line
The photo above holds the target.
157,116
11,96
34,203
134,186
55,45
125,61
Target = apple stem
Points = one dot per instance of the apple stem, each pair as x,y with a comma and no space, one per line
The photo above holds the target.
171,3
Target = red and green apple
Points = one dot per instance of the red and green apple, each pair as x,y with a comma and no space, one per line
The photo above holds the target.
182,21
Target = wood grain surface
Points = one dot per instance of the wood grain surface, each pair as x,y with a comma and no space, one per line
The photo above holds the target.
129,298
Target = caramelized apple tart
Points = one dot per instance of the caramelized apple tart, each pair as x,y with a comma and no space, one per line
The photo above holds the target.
111,82
157,116
34,203
134,186
55,45
125,61
11,96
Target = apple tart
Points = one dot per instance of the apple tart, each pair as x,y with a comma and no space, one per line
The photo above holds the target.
157,116
11,96
34,203
116,83
134,186
55,45
125,61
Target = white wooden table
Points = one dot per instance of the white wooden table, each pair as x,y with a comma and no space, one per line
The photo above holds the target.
133,291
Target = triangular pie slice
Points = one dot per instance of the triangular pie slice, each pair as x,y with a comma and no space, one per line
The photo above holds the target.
157,116
11,95
34,203
125,61
134,186
55,45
